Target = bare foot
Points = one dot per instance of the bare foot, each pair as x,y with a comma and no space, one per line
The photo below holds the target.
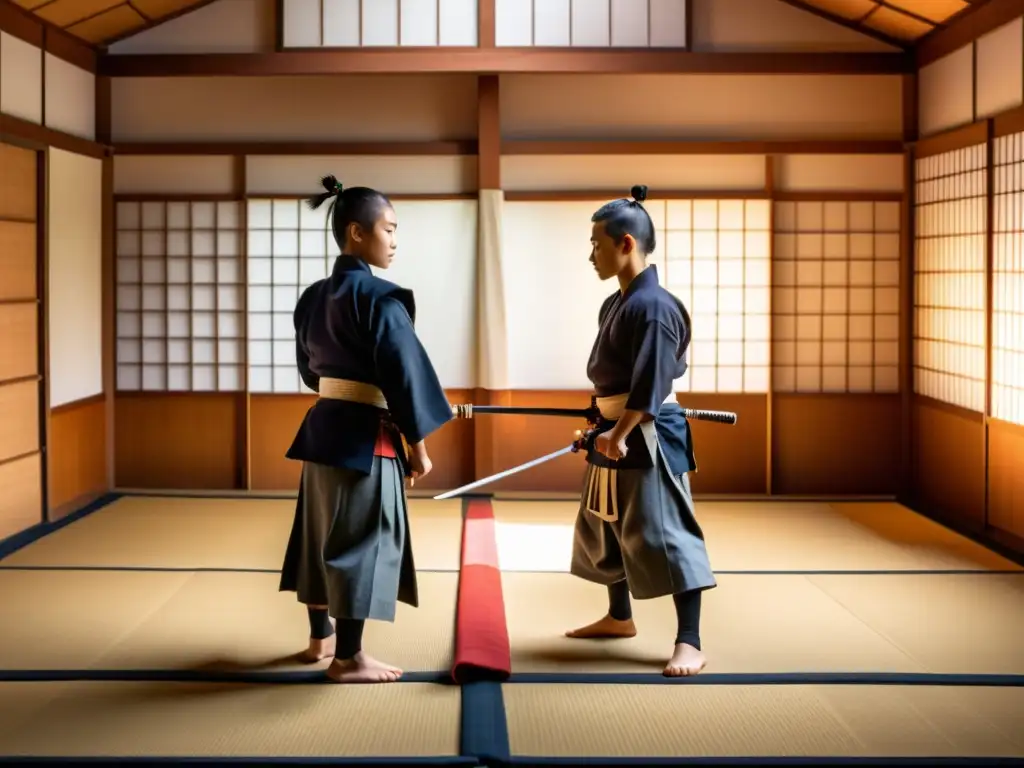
685,662
319,649
362,668
604,628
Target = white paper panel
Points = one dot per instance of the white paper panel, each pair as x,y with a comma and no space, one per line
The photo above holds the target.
513,20
380,22
419,22
629,23
294,249
433,174
459,23
341,23
70,96
21,79
1000,77
301,23
551,293
75,290
946,92
190,333
591,23
835,296
834,173
173,175
668,23
538,173
551,23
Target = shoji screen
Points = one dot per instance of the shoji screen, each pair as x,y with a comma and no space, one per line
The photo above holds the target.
949,277
836,296
180,303
1008,280
716,262
290,247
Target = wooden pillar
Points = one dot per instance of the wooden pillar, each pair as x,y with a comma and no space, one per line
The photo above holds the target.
491,386
906,292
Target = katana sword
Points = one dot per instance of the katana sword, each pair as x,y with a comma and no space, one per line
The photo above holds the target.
592,414
576,445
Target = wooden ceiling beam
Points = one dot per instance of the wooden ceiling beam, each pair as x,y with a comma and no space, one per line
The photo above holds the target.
856,26
482,61
966,27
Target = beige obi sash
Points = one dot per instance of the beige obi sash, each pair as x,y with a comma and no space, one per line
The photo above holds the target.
353,392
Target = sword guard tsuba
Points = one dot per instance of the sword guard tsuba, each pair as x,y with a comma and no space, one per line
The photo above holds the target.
582,436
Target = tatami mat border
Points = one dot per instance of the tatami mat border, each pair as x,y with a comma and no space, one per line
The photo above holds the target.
12,544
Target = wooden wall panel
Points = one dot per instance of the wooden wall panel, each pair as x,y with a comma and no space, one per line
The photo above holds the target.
1006,478
177,441
836,444
76,455
19,419
21,438
20,504
949,462
274,419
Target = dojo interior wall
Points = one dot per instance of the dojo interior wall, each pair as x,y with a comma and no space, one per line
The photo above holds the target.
189,341
817,213
53,392
967,411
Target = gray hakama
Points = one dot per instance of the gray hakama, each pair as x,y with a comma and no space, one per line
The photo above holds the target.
636,519
355,551
640,525
356,346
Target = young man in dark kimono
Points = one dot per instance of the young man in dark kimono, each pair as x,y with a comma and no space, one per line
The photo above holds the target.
636,531
350,556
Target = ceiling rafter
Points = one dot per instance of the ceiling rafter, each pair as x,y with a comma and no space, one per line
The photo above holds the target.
902,24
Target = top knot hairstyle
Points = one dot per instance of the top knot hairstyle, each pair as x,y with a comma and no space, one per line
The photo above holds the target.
354,205
628,216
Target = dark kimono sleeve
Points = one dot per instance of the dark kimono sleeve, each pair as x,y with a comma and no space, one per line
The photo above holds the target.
299,318
655,344
406,376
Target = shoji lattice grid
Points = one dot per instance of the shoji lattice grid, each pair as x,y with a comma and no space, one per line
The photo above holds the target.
835,296
949,277
716,262
288,247
1008,280
179,297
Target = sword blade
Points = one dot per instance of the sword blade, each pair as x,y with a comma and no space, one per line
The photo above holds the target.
528,465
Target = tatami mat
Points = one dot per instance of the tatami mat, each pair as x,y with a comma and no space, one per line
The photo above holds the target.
232,622
763,721
190,532
782,624
216,720
769,535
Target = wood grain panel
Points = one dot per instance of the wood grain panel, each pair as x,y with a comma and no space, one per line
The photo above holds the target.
274,420
836,444
17,183
21,495
176,441
948,462
77,453
18,278
19,334
19,419
1006,477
